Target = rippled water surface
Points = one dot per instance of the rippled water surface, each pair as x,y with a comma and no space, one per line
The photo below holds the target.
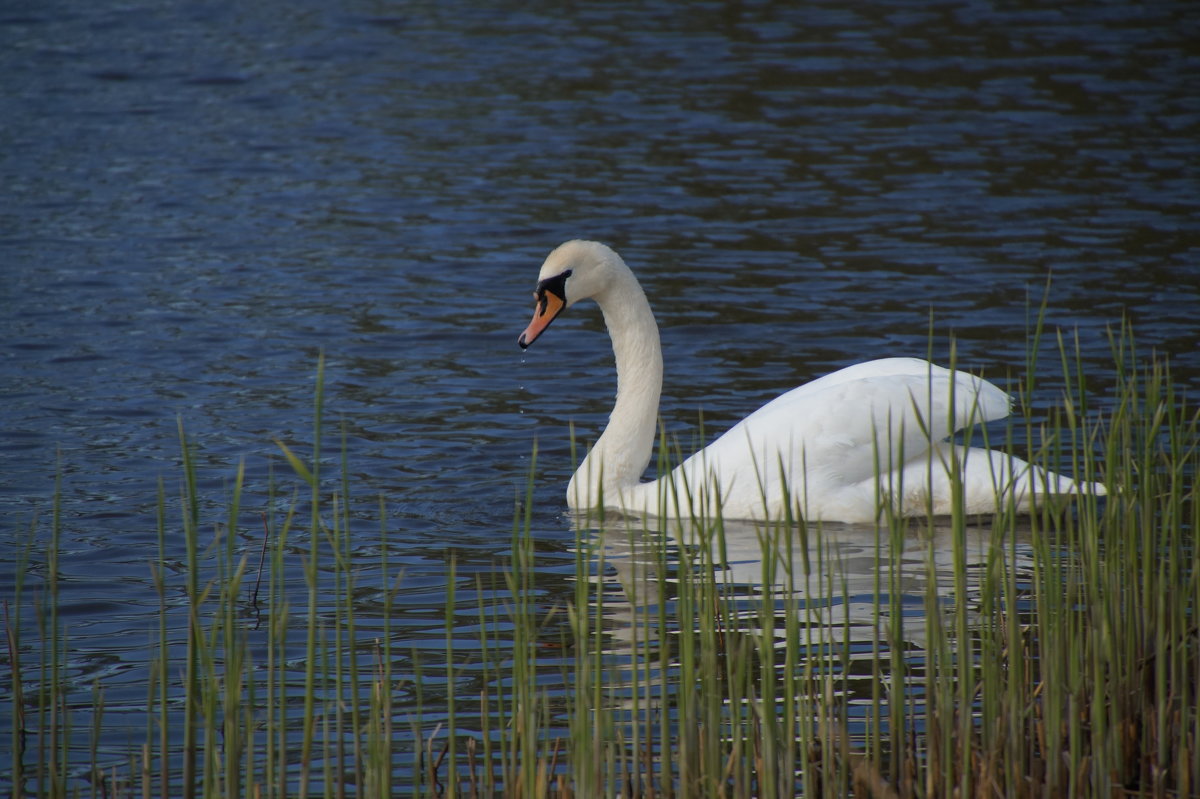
198,199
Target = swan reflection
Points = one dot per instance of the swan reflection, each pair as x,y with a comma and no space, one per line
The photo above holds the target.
848,598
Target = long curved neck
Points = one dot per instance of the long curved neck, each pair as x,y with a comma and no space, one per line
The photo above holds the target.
622,452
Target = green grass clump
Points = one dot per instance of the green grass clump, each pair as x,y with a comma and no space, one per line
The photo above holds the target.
1037,655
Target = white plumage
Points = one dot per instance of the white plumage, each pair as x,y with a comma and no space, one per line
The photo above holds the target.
834,449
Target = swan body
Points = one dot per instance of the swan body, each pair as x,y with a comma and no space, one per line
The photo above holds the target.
838,448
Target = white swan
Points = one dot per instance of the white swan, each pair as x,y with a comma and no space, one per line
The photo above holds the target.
833,449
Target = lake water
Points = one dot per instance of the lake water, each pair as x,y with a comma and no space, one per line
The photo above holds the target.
197,199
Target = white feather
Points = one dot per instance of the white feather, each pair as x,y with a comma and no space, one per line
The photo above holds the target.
838,448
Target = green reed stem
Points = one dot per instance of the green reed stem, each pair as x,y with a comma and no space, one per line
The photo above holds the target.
1058,655
191,687
311,577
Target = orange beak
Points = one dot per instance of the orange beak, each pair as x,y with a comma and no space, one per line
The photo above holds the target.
549,305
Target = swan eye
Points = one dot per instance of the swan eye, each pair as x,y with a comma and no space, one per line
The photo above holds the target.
556,285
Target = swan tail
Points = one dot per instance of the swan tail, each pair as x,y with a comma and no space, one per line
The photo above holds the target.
993,482
1027,485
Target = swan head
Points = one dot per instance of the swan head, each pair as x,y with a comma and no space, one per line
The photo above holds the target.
574,271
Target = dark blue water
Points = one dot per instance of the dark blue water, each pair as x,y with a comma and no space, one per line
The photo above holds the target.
197,199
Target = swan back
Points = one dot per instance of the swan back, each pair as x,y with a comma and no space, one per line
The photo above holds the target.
825,443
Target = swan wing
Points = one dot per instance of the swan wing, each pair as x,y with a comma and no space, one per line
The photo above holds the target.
843,429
